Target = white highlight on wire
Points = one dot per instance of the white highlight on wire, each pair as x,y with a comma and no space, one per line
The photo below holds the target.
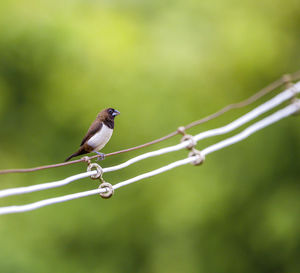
272,103
287,111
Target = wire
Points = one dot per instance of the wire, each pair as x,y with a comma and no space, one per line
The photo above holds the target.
272,103
40,187
263,108
283,80
275,117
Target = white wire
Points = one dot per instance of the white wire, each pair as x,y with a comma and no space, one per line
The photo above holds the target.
45,186
272,103
39,204
289,110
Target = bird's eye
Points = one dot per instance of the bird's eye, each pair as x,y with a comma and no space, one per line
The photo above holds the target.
110,111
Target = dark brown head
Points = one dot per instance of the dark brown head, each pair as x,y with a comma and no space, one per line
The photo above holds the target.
108,115
112,113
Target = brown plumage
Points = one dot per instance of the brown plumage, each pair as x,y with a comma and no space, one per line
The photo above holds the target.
98,134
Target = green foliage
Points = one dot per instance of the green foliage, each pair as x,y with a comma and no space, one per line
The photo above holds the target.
162,64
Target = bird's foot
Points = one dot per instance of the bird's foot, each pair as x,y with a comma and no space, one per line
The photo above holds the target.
101,156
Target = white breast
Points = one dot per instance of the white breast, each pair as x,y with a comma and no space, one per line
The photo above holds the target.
99,140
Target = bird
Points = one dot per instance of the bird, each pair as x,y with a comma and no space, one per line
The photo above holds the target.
98,134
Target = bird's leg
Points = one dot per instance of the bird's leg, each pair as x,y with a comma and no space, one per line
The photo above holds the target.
101,156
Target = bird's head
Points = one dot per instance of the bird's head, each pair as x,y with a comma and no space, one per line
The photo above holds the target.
110,113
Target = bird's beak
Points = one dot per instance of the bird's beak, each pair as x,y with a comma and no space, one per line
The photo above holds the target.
116,113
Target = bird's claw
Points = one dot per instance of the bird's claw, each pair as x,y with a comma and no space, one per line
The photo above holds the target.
101,156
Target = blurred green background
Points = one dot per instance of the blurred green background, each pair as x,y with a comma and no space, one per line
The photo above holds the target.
162,64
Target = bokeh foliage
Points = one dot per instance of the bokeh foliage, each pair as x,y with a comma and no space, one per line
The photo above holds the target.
162,64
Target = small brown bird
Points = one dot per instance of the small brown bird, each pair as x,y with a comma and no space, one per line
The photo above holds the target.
98,134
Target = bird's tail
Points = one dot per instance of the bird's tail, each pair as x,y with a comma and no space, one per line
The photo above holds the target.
81,151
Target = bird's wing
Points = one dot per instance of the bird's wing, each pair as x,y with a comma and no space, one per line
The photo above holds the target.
94,128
